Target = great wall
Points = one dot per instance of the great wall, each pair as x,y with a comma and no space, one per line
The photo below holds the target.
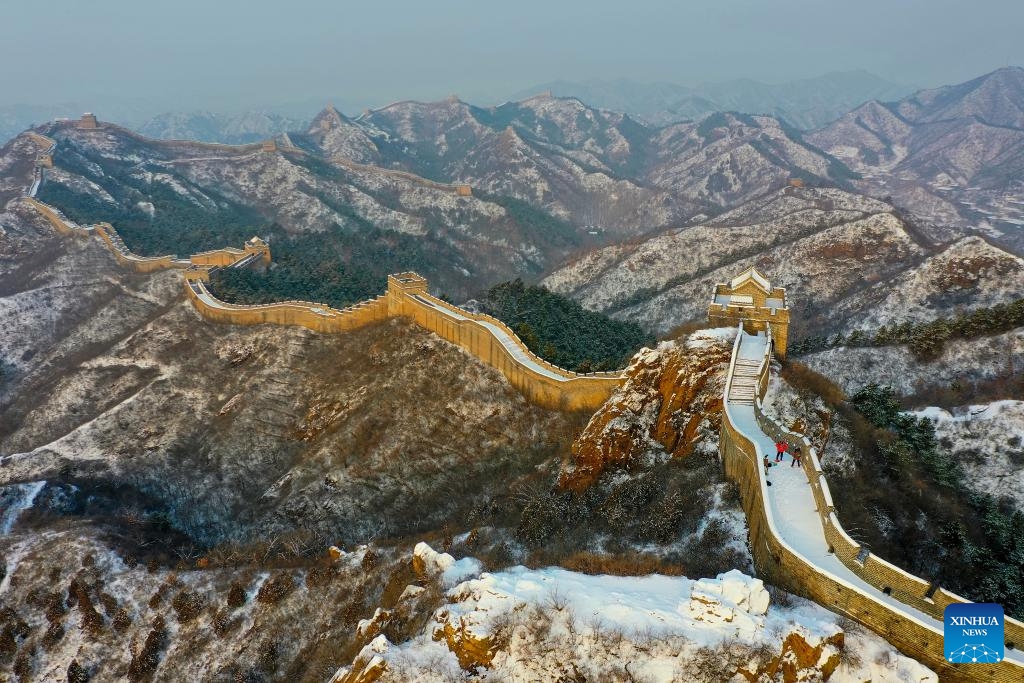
798,543
795,536
406,296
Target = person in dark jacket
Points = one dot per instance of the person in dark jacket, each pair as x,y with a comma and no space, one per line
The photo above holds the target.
797,454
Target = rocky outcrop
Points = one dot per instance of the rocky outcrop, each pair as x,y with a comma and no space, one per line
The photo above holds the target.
669,393
549,624
802,658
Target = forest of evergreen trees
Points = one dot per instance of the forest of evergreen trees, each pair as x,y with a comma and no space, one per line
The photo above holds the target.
338,268
341,265
909,494
212,225
926,340
561,331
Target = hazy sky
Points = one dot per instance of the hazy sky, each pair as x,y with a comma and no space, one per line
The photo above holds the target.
230,54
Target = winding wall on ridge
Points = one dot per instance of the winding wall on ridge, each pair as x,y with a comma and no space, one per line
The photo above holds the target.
495,344
482,336
780,563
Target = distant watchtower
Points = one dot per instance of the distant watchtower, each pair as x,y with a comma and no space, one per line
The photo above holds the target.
749,298
88,121
254,245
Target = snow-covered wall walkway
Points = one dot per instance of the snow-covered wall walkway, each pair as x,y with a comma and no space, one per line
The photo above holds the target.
797,541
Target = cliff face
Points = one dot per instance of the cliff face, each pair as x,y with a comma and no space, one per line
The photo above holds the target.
670,400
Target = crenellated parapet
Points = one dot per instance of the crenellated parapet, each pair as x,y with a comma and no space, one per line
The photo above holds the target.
750,299
820,560
407,296
493,342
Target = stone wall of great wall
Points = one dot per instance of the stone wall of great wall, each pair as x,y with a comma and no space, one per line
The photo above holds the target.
494,343
779,563
316,317
483,336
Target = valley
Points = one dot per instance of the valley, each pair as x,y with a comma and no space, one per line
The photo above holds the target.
219,461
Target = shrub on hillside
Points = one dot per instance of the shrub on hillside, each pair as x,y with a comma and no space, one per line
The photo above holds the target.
236,596
275,588
76,673
147,659
907,501
187,604
926,340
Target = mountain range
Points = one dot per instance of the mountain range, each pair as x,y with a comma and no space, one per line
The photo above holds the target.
805,104
953,155
549,177
188,500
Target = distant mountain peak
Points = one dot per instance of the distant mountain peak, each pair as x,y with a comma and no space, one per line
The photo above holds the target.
807,103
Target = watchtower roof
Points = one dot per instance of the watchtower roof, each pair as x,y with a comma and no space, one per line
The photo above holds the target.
751,274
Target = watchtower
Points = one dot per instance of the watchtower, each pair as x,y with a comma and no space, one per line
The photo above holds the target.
269,146
254,245
88,121
750,298
409,283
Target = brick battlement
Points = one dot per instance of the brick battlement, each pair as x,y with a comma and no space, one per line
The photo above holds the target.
407,296
915,630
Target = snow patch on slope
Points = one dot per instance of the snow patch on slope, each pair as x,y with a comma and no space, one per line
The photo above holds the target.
551,622
988,440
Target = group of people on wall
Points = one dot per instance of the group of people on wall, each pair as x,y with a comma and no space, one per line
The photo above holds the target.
781,448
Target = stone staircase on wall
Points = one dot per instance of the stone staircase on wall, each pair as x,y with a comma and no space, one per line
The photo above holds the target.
743,388
798,543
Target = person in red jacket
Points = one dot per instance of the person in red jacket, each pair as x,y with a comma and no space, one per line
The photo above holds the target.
780,449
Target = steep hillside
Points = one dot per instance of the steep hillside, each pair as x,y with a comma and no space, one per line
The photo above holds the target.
953,154
590,166
988,440
727,159
846,260
171,197
963,363
557,154
112,379
968,274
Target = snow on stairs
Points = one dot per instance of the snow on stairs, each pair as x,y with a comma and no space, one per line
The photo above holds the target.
744,382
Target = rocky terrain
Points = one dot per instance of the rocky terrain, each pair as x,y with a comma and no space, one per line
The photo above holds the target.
952,155
847,262
550,624
596,167
989,440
